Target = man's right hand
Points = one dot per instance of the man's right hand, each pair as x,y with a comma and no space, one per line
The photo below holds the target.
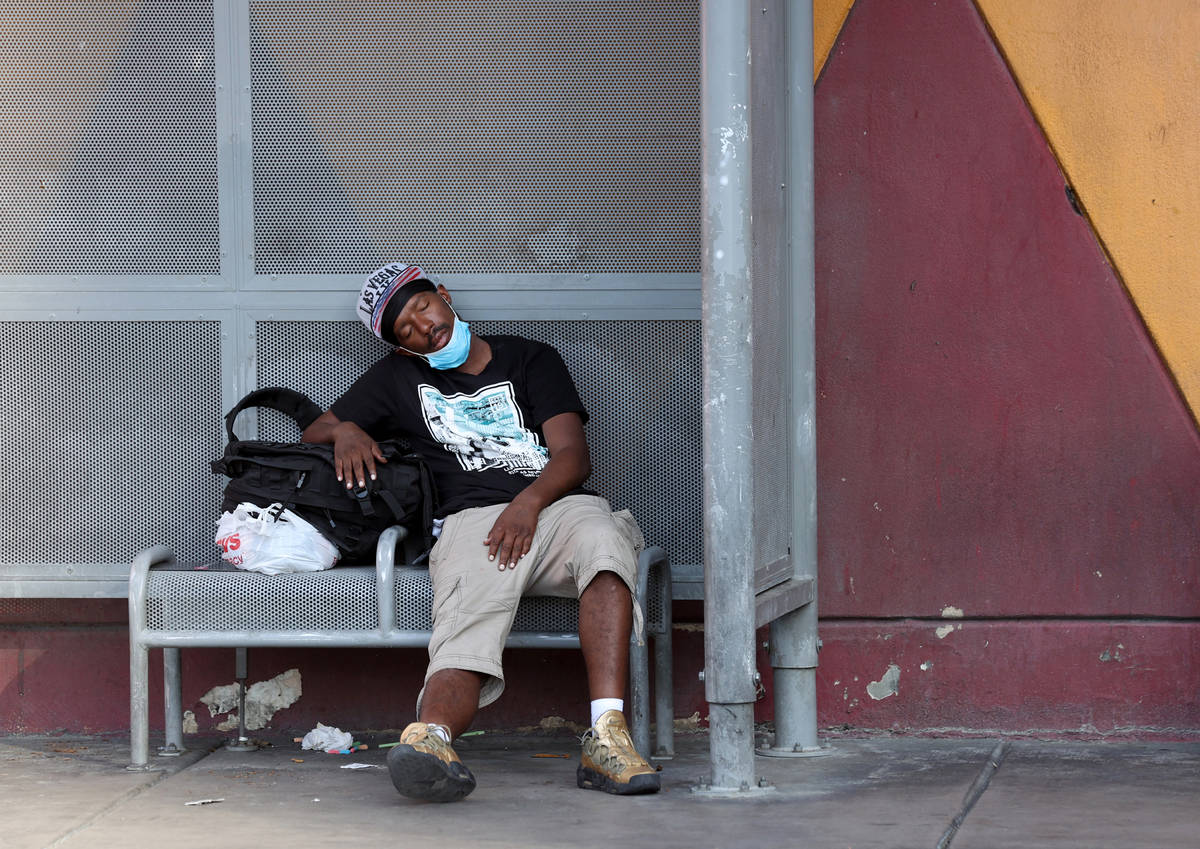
354,454
354,451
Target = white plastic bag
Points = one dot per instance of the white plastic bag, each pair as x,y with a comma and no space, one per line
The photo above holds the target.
326,737
272,540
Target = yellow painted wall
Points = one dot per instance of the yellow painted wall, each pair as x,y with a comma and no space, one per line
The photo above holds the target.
828,17
1116,85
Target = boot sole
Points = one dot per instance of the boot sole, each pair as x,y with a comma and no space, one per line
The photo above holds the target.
420,775
589,779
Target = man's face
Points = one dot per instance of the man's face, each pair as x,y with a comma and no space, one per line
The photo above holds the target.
425,323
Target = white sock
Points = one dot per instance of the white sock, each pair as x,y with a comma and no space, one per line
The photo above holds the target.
441,731
600,706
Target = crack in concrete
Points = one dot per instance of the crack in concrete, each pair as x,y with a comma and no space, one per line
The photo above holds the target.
977,788
189,758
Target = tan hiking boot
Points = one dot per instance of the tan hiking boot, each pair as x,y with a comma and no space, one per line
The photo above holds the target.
424,766
610,763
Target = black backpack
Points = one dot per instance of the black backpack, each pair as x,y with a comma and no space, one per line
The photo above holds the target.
302,477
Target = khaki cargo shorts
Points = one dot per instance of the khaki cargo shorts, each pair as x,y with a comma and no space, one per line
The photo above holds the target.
474,603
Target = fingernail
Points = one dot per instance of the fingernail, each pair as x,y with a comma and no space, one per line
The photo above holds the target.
372,476
491,557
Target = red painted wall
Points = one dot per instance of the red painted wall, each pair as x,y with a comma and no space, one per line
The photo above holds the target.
996,432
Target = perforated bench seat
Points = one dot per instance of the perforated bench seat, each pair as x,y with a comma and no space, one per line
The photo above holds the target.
173,607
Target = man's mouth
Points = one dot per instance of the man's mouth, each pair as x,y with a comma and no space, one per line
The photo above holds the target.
439,337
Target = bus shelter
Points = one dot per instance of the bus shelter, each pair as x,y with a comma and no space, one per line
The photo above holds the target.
195,188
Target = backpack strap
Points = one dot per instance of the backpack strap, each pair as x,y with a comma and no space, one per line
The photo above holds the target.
287,401
428,496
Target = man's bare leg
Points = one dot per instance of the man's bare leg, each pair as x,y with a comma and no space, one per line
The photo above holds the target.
605,622
608,761
424,765
451,698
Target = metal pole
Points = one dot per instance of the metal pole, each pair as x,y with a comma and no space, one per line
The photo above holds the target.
242,743
727,313
172,704
794,636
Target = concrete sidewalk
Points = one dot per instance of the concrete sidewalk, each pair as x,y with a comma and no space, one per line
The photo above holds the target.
874,792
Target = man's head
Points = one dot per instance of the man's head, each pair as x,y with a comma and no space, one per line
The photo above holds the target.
402,306
385,294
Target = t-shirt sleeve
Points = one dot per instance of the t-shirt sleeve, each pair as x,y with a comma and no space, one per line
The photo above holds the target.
551,388
368,403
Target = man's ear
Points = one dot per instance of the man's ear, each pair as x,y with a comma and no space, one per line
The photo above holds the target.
444,293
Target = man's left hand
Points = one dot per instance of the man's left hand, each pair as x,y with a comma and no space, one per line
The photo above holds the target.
512,534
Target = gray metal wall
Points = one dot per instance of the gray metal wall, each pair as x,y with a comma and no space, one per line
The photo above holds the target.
193,191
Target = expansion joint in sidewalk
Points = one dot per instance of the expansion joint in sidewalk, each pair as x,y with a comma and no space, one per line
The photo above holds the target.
974,792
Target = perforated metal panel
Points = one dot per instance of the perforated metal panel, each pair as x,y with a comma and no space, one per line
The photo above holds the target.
108,143
481,137
108,430
771,308
640,381
341,599
336,600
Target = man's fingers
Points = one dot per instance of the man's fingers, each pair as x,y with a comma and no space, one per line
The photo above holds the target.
502,547
358,474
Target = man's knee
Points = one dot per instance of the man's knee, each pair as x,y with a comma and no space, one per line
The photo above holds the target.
606,586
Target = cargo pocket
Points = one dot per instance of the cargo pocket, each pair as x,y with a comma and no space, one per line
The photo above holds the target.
632,531
446,608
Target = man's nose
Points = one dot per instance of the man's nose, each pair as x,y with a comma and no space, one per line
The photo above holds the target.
423,325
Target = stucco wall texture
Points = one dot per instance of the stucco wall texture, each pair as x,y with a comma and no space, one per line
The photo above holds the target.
1008,475
1113,84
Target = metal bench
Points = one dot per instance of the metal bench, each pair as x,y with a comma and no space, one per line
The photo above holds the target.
172,606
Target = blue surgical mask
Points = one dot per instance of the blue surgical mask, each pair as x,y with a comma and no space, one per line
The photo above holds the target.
454,353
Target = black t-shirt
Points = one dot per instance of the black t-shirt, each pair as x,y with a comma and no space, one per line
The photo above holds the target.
480,434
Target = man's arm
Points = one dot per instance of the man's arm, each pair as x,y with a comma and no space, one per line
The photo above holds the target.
569,466
354,451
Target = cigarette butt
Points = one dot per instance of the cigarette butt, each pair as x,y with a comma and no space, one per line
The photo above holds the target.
297,760
550,755
362,747
297,739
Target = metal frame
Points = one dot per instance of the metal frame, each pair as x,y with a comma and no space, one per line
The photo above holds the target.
729,684
732,609
794,643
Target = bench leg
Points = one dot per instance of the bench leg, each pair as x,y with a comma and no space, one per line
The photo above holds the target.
139,706
664,696
639,686
172,703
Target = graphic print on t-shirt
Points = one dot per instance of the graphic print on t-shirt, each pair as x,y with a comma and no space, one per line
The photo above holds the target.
485,430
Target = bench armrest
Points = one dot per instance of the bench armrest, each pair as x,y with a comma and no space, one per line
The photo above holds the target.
385,576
